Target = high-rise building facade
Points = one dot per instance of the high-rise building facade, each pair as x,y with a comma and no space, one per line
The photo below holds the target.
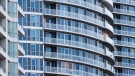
67,37
124,25
10,30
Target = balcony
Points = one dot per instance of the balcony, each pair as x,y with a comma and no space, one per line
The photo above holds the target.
124,43
122,11
71,29
125,65
2,11
71,15
2,52
110,69
109,15
2,32
20,11
129,2
109,43
78,59
124,54
109,29
109,56
68,72
109,3
21,70
74,58
80,3
75,44
2,71
122,32
123,74
124,22
21,30
21,50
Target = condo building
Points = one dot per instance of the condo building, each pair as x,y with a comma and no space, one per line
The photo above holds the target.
67,37
124,30
10,30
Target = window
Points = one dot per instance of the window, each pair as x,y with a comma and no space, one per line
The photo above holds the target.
12,9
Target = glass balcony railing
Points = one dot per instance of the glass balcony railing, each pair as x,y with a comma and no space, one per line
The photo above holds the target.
130,2
124,22
124,54
2,69
76,44
129,12
128,33
73,30
77,16
19,7
75,58
20,44
78,59
20,26
2,27
127,65
82,4
2,48
69,72
109,40
3,7
123,74
20,65
124,43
